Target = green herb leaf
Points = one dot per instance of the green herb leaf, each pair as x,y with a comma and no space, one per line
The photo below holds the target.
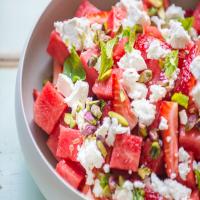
138,194
171,63
103,178
197,175
187,23
181,99
152,11
106,58
73,67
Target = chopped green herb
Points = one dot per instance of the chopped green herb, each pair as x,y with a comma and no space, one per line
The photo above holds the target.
106,191
69,120
152,11
197,175
103,178
102,104
138,194
187,23
121,120
143,172
155,150
181,99
171,63
73,67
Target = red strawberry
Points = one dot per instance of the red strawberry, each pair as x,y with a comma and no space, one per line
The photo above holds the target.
86,8
126,152
169,110
196,15
122,107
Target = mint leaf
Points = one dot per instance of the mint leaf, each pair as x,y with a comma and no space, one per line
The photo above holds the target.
106,58
197,175
187,23
171,63
73,67
181,99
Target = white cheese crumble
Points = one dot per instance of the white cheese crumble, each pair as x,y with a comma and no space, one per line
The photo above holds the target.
97,189
157,21
138,184
183,155
96,27
79,94
106,168
144,110
178,36
170,189
157,93
156,51
196,165
183,117
76,32
195,67
133,60
196,94
163,125
168,139
90,157
174,12
64,85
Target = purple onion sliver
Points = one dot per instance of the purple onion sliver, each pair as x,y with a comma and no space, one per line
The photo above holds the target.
89,130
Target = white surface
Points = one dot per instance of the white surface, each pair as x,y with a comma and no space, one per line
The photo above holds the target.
16,20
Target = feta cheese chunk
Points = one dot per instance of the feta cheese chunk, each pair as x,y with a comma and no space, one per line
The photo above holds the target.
76,32
196,94
195,67
64,85
174,12
163,124
138,184
144,110
90,157
157,21
157,93
79,94
133,60
156,51
178,36
106,168
97,189
129,77
183,117
183,155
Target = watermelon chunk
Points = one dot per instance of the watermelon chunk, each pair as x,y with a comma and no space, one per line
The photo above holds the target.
69,140
86,8
126,152
71,172
48,108
57,48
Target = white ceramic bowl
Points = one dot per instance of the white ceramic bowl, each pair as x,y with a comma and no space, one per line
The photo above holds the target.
34,67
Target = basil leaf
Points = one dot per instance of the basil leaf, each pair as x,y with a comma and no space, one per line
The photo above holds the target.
171,63
197,175
73,67
106,58
181,99
187,23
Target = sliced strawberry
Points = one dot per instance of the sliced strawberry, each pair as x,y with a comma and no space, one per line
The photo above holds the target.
151,195
100,17
57,48
86,8
126,152
122,106
196,15
57,69
71,172
156,165
69,140
169,110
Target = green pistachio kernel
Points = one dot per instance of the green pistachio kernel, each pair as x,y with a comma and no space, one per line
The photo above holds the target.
145,76
143,172
92,61
121,181
143,131
103,178
106,75
121,120
96,111
155,150
106,191
152,11
102,148
69,120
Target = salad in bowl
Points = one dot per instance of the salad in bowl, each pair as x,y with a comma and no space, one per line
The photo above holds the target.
121,110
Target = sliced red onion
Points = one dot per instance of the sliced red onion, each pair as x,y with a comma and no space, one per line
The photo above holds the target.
89,130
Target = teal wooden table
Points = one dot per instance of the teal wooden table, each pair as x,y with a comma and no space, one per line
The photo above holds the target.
15,180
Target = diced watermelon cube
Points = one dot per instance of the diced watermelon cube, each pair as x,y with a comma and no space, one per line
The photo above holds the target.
69,140
71,172
52,141
57,48
126,152
48,108
86,8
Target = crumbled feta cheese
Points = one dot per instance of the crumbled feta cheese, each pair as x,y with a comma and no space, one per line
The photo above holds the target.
103,129
193,34
174,12
129,76
133,60
183,117
173,78
64,85
138,184
135,13
157,93
144,110
125,192
90,157
97,189
156,51
157,21
172,175
196,165
96,27
178,36
80,119
76,32
79,94
196,94
195,67
106,168
183,155
170,189
163,124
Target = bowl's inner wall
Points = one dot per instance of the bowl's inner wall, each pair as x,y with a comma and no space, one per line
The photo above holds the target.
37,63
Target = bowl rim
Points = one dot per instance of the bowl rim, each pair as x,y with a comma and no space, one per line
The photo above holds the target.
21,67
